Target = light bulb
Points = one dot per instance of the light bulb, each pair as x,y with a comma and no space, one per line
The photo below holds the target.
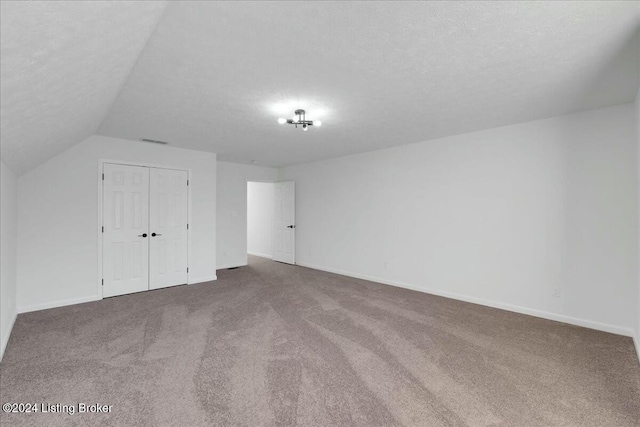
305,127
282,121
317,123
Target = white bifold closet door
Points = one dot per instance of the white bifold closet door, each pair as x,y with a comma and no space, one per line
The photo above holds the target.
168,226
145,228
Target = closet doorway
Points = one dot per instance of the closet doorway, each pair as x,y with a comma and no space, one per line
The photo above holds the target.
144,228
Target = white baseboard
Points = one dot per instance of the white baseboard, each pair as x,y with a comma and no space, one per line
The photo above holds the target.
259,254
5,339
636,341
63,303
54,304
196,280
489,303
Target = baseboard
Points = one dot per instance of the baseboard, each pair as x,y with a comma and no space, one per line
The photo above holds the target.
489,303
5,339
63,303
55,304
197,280
636,342
259,254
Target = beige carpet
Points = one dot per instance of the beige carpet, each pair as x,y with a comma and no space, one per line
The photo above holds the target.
272,344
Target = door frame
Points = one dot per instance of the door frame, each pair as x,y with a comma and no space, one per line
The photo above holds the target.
246,213
101,163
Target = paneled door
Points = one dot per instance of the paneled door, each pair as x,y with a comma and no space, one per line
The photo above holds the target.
168,228
284,227
126,229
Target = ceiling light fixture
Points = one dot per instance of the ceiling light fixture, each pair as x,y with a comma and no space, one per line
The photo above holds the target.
300,119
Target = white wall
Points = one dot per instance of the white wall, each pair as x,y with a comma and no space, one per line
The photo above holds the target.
501,217
58,219
261,199
8,253
232,209
637,117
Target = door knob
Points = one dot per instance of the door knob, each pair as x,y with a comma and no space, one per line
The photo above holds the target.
291,226
142,235
154,234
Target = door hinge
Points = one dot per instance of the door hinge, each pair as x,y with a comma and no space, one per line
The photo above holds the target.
187,226
102,282
187,269
187,182
103,177
103,228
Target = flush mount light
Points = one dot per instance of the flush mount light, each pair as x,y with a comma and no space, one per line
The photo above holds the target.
300,119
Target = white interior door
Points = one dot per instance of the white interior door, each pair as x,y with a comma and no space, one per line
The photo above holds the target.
168,228
126,232
284,228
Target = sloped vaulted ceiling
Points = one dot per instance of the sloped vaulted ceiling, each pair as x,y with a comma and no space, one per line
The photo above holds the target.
63,64
215,76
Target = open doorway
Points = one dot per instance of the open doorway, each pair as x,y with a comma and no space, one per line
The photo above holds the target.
271,225
261,208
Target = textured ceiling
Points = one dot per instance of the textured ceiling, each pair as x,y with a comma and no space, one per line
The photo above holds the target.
378,74
63,64
215,76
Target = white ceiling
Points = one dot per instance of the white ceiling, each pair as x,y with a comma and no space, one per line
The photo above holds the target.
63,64
215,76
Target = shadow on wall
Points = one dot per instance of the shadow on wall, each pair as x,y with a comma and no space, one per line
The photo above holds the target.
626,57
600,232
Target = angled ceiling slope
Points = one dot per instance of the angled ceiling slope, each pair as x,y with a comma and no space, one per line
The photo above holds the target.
63,64
215,76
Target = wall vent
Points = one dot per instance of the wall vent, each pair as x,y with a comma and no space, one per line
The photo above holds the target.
155,141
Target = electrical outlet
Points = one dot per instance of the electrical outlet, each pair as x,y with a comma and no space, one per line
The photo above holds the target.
557,292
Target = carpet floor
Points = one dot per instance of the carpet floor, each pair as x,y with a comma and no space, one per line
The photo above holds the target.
272,344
